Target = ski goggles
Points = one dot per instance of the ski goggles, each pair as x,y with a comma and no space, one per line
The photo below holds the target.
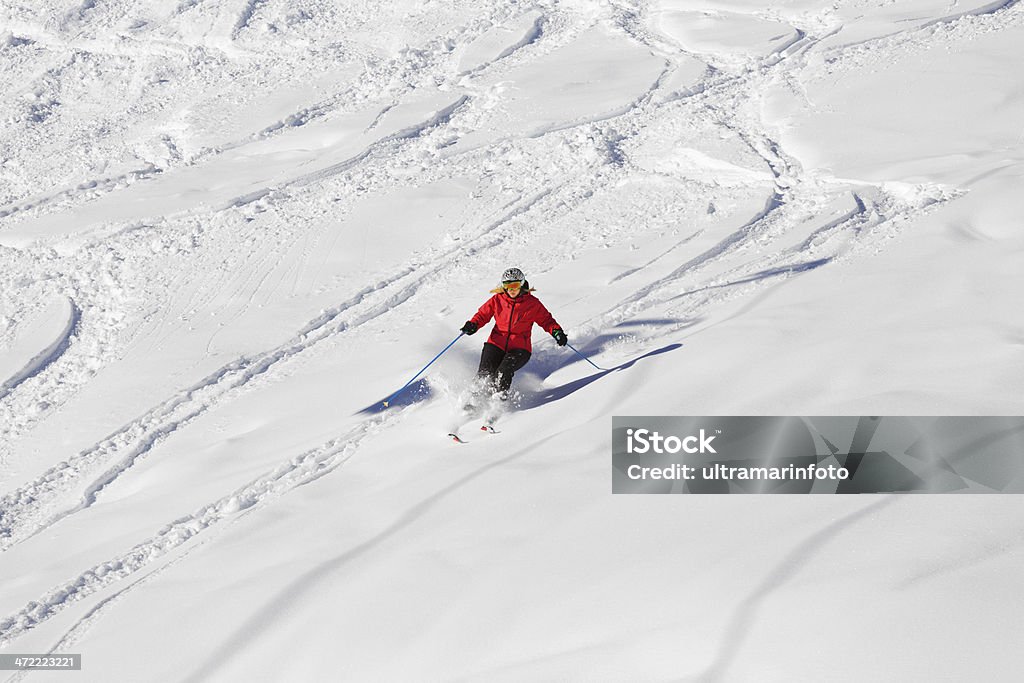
512,284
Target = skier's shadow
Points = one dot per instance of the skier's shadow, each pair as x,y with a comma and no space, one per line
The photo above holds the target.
420,390
417,392
539,398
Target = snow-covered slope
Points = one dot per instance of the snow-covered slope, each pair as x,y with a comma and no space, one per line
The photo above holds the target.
228,230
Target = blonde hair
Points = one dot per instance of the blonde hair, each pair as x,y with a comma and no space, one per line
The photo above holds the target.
501,288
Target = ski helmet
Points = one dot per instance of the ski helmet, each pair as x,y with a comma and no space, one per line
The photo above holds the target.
512,275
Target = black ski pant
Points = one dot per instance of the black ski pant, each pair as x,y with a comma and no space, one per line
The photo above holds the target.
497,365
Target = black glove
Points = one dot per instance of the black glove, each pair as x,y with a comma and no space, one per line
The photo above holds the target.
469,328
559,336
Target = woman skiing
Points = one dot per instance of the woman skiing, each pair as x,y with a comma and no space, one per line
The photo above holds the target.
514,309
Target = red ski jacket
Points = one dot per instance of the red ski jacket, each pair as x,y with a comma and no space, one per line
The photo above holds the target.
514,319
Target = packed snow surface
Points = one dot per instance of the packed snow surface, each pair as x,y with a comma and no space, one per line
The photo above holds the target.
230,228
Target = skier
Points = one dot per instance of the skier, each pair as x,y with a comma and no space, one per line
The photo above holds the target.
515,310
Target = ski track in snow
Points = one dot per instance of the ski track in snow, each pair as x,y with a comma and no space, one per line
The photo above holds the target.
300,470
77,483
399,76
782,208
81,192
246,14
740,622
39,362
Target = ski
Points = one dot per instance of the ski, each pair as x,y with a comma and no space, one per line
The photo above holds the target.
485,413
486,428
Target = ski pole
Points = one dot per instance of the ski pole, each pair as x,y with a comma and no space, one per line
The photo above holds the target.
392,396
584,357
